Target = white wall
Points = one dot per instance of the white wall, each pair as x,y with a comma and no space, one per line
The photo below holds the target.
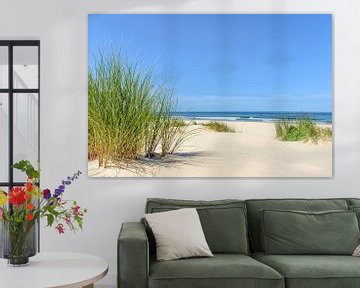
61,25
3,140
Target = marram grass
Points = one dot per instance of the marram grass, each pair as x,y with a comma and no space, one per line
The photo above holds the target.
303,129
219,127
129,114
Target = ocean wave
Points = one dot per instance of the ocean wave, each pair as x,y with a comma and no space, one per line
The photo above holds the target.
324,118
253,119
225,118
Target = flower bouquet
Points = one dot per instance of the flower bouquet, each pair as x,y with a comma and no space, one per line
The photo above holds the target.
21,208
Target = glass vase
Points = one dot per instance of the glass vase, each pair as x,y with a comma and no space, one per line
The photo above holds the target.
18,242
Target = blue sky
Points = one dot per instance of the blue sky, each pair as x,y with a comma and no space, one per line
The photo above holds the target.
229,62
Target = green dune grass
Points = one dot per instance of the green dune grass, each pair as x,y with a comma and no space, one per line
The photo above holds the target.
219,127
301,130
129,113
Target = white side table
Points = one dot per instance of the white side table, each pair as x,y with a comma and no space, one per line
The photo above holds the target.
50,270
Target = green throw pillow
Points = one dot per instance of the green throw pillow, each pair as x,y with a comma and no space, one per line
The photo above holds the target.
299,232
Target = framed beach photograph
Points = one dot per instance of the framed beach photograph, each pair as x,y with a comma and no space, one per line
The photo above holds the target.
210,95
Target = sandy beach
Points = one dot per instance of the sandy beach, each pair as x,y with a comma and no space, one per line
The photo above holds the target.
252,151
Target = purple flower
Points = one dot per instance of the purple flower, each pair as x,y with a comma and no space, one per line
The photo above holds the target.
58,192
46,194
64,183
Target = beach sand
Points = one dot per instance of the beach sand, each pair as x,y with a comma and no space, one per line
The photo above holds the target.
252,151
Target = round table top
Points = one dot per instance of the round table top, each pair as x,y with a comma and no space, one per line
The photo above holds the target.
59,269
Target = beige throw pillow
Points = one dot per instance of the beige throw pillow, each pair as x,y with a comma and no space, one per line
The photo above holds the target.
357,251
178,234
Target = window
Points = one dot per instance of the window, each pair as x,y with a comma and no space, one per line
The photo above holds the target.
19,108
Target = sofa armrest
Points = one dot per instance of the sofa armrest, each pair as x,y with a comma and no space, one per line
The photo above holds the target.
133,256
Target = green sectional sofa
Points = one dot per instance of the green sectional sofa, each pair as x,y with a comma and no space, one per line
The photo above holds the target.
238,234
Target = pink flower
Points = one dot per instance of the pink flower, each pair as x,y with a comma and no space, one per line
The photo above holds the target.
1,214
60,228
76,210
68,219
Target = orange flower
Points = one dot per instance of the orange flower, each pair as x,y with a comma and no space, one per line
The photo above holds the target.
17,196
29,217
27,196
29,186
29,206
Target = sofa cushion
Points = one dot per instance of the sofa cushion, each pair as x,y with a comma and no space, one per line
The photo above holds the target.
297,232
223,221
354,205
314,271
222,270
356,209
178,234
353,201
254,206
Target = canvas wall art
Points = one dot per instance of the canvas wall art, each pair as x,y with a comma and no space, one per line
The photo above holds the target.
210,95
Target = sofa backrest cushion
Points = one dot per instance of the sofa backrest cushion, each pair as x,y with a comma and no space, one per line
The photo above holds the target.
353,202
297,232
256,205
354,205
223,221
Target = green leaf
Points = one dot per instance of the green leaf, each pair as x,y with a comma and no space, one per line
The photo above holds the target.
53,211
26,167
50,219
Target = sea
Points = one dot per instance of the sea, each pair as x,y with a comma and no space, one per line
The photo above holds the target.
318,117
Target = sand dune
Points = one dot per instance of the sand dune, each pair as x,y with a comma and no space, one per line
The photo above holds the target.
252,151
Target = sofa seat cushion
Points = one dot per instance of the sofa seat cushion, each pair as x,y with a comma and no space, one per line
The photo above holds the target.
315,271
222,270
